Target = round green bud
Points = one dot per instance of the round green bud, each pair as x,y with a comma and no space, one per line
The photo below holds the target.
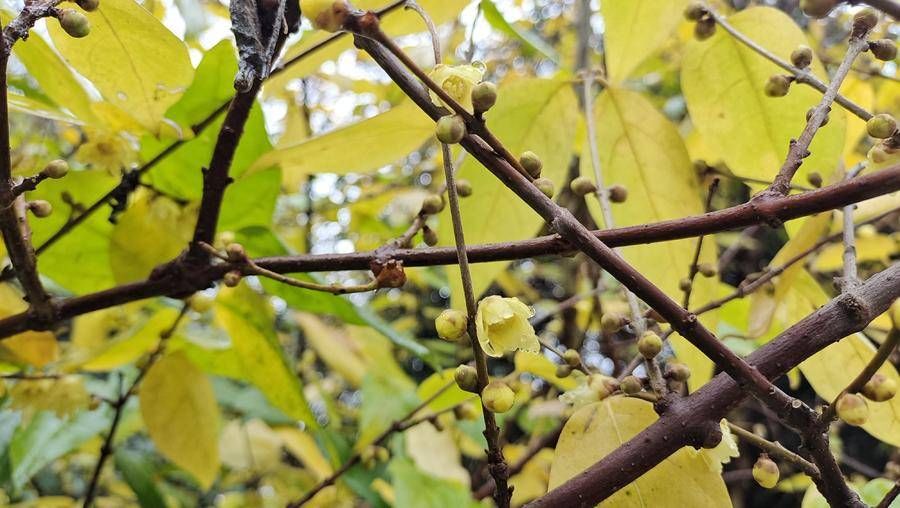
685,284
678,372
582,186
879,153
200,303
880,388
631,385
563,370
532,164
649,345
814,179
545,186
572,358
498,397
367,456
450,129
466,378
778,85
382,454
40,208
74,23
694,11
88,5
232,278
704,28
432,204
817,8
451,324
618,193
707,269
235,252
484,96
883,49
863,22
463,188
765,472
852,409
56,169
801,57
881,126
429,236
611,323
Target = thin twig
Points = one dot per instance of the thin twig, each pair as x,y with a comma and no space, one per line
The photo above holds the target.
775,449
890,496
850,277
698,247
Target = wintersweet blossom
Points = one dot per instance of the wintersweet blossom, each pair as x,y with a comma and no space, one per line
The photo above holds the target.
502,326
458,81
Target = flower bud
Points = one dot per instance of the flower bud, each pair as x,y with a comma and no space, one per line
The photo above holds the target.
450,129
879,153
852,409
778,85
389,274
880,388
40,208
498,397
382,454
603,386
563,370
801,57
545,186
685,284
200,303
881,126
810,113
704,28
328,15
765,472
649,345
432,204
883,49
814,179
236,252
74,23
631,385
618,193
88,5
232,278
451,324
863,22
694,11
466,378
678,372
611,323
484,96
429,236
367,457
707,270
463,188
582,186
532,164
572,358
817,8
56,169
465,412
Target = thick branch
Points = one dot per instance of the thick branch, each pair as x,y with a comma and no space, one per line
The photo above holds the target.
846,314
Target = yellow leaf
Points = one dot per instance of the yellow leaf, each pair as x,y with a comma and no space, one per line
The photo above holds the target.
640,149
723,84
32,348
384,138
130,345
248,319
539,115
135,62
250,445
135,245
435,453
303,447
182,417
540,366
634,30
860,92
875,248
449,397
684,479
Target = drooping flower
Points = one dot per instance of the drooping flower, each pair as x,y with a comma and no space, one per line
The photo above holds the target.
502,326
458,81
721,453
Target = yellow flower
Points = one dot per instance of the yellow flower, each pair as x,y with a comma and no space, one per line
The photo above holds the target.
457,81
106,150
722,453
502,325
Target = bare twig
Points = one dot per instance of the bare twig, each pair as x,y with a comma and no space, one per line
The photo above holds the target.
694,268
775,449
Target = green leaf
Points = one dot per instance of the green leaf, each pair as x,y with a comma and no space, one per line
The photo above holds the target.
540,115
635,29
138,471
212,86
250,200
531,41
594,431
413,487
247,318
385,397
385,138
182,418
723,84
642,150
136,63
132,344
46,438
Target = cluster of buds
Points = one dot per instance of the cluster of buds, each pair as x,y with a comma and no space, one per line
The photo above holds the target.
883,126
705,24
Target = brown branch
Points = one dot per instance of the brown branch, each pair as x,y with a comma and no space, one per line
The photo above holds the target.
548,439
890,496
846,314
